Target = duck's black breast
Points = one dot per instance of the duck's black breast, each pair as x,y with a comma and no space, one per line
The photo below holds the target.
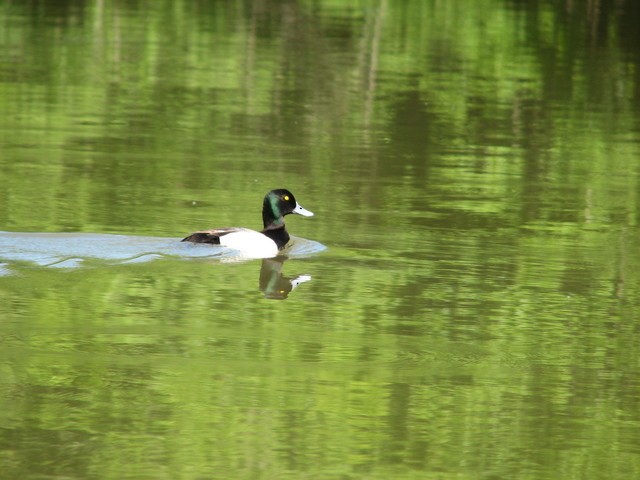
279,235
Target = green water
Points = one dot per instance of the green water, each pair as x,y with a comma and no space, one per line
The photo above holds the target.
474,170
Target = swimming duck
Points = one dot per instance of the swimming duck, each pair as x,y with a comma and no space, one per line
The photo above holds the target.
266,243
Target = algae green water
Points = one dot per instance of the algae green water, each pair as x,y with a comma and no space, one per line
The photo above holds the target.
474,170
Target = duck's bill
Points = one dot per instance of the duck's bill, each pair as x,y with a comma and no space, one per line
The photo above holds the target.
302,211
298,280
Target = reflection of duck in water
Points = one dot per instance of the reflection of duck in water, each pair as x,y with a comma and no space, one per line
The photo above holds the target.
273,284
264,244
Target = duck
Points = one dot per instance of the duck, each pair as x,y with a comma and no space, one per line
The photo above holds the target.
266,243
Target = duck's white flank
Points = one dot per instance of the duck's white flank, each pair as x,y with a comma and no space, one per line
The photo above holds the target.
250,244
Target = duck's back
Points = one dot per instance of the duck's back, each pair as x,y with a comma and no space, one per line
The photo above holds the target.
210,236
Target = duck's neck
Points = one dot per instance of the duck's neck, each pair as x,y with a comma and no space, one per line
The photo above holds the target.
274,223
271,221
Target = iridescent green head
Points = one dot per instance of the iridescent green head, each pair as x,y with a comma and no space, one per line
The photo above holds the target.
277,204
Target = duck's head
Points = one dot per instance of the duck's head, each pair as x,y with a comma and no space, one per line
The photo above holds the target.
277,204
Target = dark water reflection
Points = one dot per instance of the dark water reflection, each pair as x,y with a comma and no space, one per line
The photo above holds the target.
473,168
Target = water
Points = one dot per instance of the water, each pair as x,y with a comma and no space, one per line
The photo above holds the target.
462,305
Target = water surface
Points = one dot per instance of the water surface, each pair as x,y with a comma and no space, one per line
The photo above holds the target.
474,172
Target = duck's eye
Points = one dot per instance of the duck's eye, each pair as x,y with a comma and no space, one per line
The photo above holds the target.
286,198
